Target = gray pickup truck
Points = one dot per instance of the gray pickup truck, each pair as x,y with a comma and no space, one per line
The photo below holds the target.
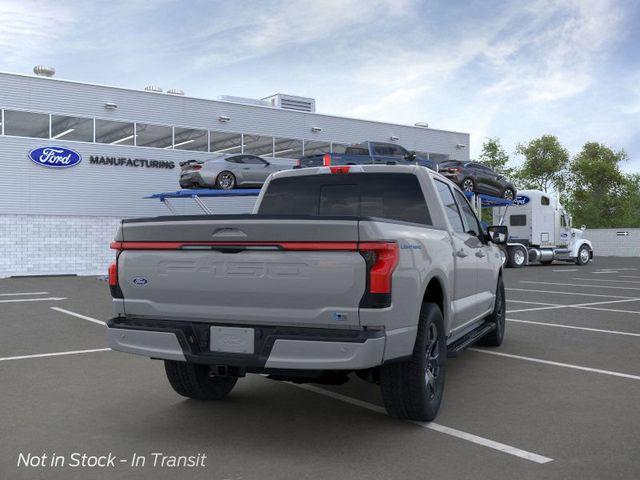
379,270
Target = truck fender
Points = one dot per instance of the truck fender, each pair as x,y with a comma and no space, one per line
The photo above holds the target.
440,277
576,246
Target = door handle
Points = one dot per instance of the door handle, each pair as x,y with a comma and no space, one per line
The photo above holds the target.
480,254
461,253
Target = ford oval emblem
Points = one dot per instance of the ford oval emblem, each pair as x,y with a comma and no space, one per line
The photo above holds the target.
55,157
521,200
140,281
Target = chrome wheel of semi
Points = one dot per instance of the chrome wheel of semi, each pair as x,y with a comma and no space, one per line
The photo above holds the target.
518,256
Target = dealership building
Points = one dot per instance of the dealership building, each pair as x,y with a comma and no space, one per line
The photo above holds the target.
121,145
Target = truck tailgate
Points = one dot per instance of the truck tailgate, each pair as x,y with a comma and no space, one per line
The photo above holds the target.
246,270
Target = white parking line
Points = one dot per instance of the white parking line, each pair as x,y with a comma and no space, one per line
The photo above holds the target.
23,293
609,310
606,280
581,285
532,457
579,305
533,303
55,354
16,300
557,364
567,293
74,314
629,276
566,270
573,327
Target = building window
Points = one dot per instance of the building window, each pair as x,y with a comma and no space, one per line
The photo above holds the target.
257,145
226,142
157,136
316,148
115,133
287,148
26,124
71,128
338,148
190,139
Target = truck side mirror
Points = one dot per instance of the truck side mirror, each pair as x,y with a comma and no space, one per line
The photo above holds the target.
411,156
498,234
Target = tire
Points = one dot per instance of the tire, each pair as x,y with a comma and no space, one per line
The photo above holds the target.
495,337
584,255
516,257
225,180
508,194
412,389
504,254
468,185
194,381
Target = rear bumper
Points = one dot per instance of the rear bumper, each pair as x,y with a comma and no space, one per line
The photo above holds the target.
276,348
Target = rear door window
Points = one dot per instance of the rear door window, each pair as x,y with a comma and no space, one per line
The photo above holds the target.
450,207
470,221
392,196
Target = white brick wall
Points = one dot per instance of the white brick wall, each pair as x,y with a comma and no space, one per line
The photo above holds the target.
611,242
70,244
54,245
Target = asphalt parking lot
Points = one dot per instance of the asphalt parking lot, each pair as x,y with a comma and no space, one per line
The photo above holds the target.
559,399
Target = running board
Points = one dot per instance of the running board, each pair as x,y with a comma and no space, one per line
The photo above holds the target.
469,339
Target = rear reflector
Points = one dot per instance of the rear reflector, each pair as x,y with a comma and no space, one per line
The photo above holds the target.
342,169
326,159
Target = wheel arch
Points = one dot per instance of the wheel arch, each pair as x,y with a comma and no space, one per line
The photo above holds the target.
435,292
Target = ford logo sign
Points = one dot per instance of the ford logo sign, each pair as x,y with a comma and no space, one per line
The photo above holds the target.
55,157
521,200
140,281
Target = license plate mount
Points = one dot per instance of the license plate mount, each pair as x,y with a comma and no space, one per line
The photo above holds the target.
231,340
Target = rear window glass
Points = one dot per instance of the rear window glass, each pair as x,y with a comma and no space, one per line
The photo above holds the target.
394,196
518,220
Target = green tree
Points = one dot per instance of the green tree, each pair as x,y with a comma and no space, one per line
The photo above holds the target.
545,164
494,156
600,194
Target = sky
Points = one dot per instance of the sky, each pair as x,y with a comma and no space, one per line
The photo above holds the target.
509,69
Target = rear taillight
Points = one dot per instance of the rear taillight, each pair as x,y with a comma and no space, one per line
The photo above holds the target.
342,169
113,274
114,286
298,163
196,167
326,159
381,259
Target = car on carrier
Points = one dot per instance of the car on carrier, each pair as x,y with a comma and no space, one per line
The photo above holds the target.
226,172
376,153
478,178
381,271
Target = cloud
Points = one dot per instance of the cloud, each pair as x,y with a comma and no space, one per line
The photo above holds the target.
30,29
